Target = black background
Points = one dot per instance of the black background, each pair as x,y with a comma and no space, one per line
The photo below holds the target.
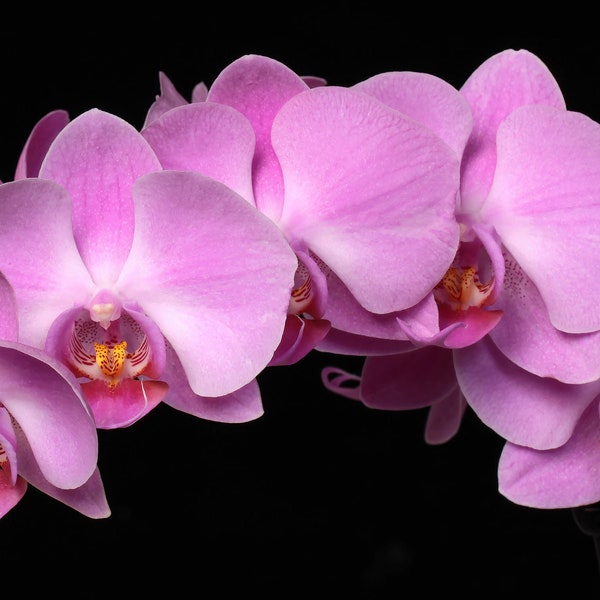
321,496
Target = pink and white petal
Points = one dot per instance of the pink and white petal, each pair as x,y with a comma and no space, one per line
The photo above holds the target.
370,191
258,86
409,380
213,139
10,494
46,401
213,273
521,407
124,404
8,311
168,98
89,499
565,477
445,417
97,157
526,336
38,142
426,98
544,205
39,256
501,84
240,406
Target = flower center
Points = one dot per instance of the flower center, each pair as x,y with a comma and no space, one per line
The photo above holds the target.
101,353
461,289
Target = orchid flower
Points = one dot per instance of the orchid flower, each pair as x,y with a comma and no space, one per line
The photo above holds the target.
48,437
364,195
138,279
519,349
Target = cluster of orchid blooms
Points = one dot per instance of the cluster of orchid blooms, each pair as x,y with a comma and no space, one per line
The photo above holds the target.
451,237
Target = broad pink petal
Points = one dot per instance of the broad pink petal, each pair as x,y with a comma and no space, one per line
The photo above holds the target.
44,398
258,86
370,191
565,477
168,98
526,336
544,205
521,407
409,380
445,417
426,98
125,404
240,406
38,142
97,157
38,254
213,139
213,273
505,81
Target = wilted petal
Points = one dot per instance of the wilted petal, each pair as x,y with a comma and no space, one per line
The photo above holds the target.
504,82
409,380
51,414
387,217
565,477
213,139
426,98
38,254
544,205
213,273
38,142
97,157
521,407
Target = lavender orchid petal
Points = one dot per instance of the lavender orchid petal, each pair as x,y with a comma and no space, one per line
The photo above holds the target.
521,407
543,206
8,315
38,142
410,184
427,99
565,477
445,417
35,215
191,270
502,83
45,412
168,98
258,86
240,406
213,139
97,157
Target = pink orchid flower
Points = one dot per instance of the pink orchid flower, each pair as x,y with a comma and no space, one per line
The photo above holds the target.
519,349
358,189
138,279
48,437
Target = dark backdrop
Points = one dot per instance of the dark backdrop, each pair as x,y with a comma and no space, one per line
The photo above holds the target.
321,496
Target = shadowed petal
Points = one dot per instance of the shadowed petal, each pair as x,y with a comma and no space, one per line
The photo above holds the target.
51,413
213,273
445,417
97,157
370,191
521,407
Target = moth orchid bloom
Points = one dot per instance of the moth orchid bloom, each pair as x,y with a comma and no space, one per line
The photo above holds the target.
359,190
48,437
134,277
528,209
